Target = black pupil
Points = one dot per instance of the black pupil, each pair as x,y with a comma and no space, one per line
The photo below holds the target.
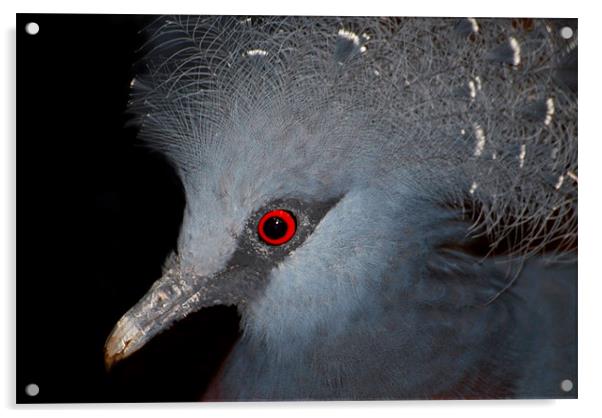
275,227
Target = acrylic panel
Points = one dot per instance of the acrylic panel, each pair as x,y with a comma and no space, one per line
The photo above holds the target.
239,208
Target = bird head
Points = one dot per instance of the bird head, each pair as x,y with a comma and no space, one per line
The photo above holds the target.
257,214
317,156
261,182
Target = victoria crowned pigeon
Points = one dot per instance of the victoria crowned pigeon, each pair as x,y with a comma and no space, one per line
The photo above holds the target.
390,203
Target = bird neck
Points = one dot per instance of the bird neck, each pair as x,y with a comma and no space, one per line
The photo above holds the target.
443,359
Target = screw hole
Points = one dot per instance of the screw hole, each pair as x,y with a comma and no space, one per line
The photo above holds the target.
566,32
32,28
32,389
566,385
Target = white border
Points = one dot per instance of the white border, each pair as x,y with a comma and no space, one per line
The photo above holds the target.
590,289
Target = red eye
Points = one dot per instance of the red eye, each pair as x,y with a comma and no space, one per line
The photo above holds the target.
277,227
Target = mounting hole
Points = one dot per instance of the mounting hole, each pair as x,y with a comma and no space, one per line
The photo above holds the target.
566,385
32,389
32,28
566,32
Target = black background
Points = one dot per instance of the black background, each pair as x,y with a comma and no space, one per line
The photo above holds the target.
97,213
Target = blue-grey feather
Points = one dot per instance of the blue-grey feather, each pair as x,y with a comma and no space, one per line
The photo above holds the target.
403,118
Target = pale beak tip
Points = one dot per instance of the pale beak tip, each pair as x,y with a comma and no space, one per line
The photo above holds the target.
123,341
109,362
111,355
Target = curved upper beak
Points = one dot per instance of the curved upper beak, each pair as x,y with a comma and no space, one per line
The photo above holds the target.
171,298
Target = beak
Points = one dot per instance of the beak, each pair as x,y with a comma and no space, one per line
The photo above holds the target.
171,298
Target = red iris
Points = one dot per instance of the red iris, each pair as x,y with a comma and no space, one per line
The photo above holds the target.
277,227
